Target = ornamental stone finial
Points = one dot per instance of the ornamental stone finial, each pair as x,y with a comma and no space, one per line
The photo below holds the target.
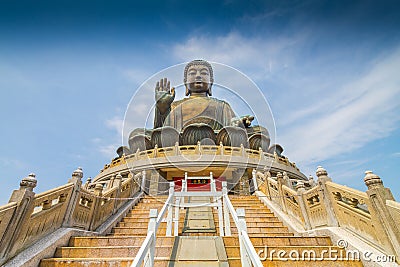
300,185
311,181
98,190
372,180
78,173
28,182
321,172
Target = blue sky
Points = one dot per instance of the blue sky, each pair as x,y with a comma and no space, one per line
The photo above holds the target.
329,70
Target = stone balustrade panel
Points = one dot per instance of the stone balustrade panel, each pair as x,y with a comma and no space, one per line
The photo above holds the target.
315,209
351,209
273,190
292,204
125,191
6,213
394,209
48,214
106,207
83,210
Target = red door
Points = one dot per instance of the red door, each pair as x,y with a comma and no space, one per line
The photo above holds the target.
198,184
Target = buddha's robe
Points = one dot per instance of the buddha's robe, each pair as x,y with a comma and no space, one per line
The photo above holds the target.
216,113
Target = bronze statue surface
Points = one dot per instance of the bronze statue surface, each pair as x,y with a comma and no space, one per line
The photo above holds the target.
198,118
199,107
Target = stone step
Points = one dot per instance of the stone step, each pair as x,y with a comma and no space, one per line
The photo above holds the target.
306,263
136,231
107,252
267,230
96,262
262,219
289,252
264,224
140,224
281,241
146,207
107,241
248,207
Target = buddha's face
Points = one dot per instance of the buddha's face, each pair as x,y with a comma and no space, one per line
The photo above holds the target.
198,79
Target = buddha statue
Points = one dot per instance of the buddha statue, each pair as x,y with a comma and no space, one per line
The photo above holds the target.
198,107
197,118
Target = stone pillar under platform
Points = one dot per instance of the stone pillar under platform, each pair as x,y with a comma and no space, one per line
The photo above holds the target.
163,186
154,181
242,187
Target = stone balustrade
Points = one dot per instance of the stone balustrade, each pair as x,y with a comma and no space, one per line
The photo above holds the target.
199,150
29,217
373,215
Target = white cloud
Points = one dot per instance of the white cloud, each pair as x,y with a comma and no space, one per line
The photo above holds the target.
116,123
136,76
260,56
359,112
109,150
14,163
325,106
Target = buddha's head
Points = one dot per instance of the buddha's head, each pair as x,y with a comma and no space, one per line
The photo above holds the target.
198,78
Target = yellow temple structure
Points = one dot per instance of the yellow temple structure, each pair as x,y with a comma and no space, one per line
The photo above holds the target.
203,187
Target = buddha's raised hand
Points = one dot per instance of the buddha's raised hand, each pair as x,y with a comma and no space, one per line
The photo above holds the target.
164,95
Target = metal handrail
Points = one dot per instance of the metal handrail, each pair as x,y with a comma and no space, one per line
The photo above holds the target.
248,254
163,211
231,209
247,251
147,248
142,253
251,252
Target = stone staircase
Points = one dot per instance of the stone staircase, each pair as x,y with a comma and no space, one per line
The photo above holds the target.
265,230
121,246
269,236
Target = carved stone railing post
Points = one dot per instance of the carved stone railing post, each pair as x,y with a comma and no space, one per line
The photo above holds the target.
281,194
267,175
286,180
155,151
198,148
117,184
242,151
133,184
302,203
24,197
111,182
87,184
177,152
311,181
387,229
221,149
143,182
98,191
76,179
254,177
322,175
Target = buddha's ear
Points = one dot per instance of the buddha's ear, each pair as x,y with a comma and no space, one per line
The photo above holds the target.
209,92
187,90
